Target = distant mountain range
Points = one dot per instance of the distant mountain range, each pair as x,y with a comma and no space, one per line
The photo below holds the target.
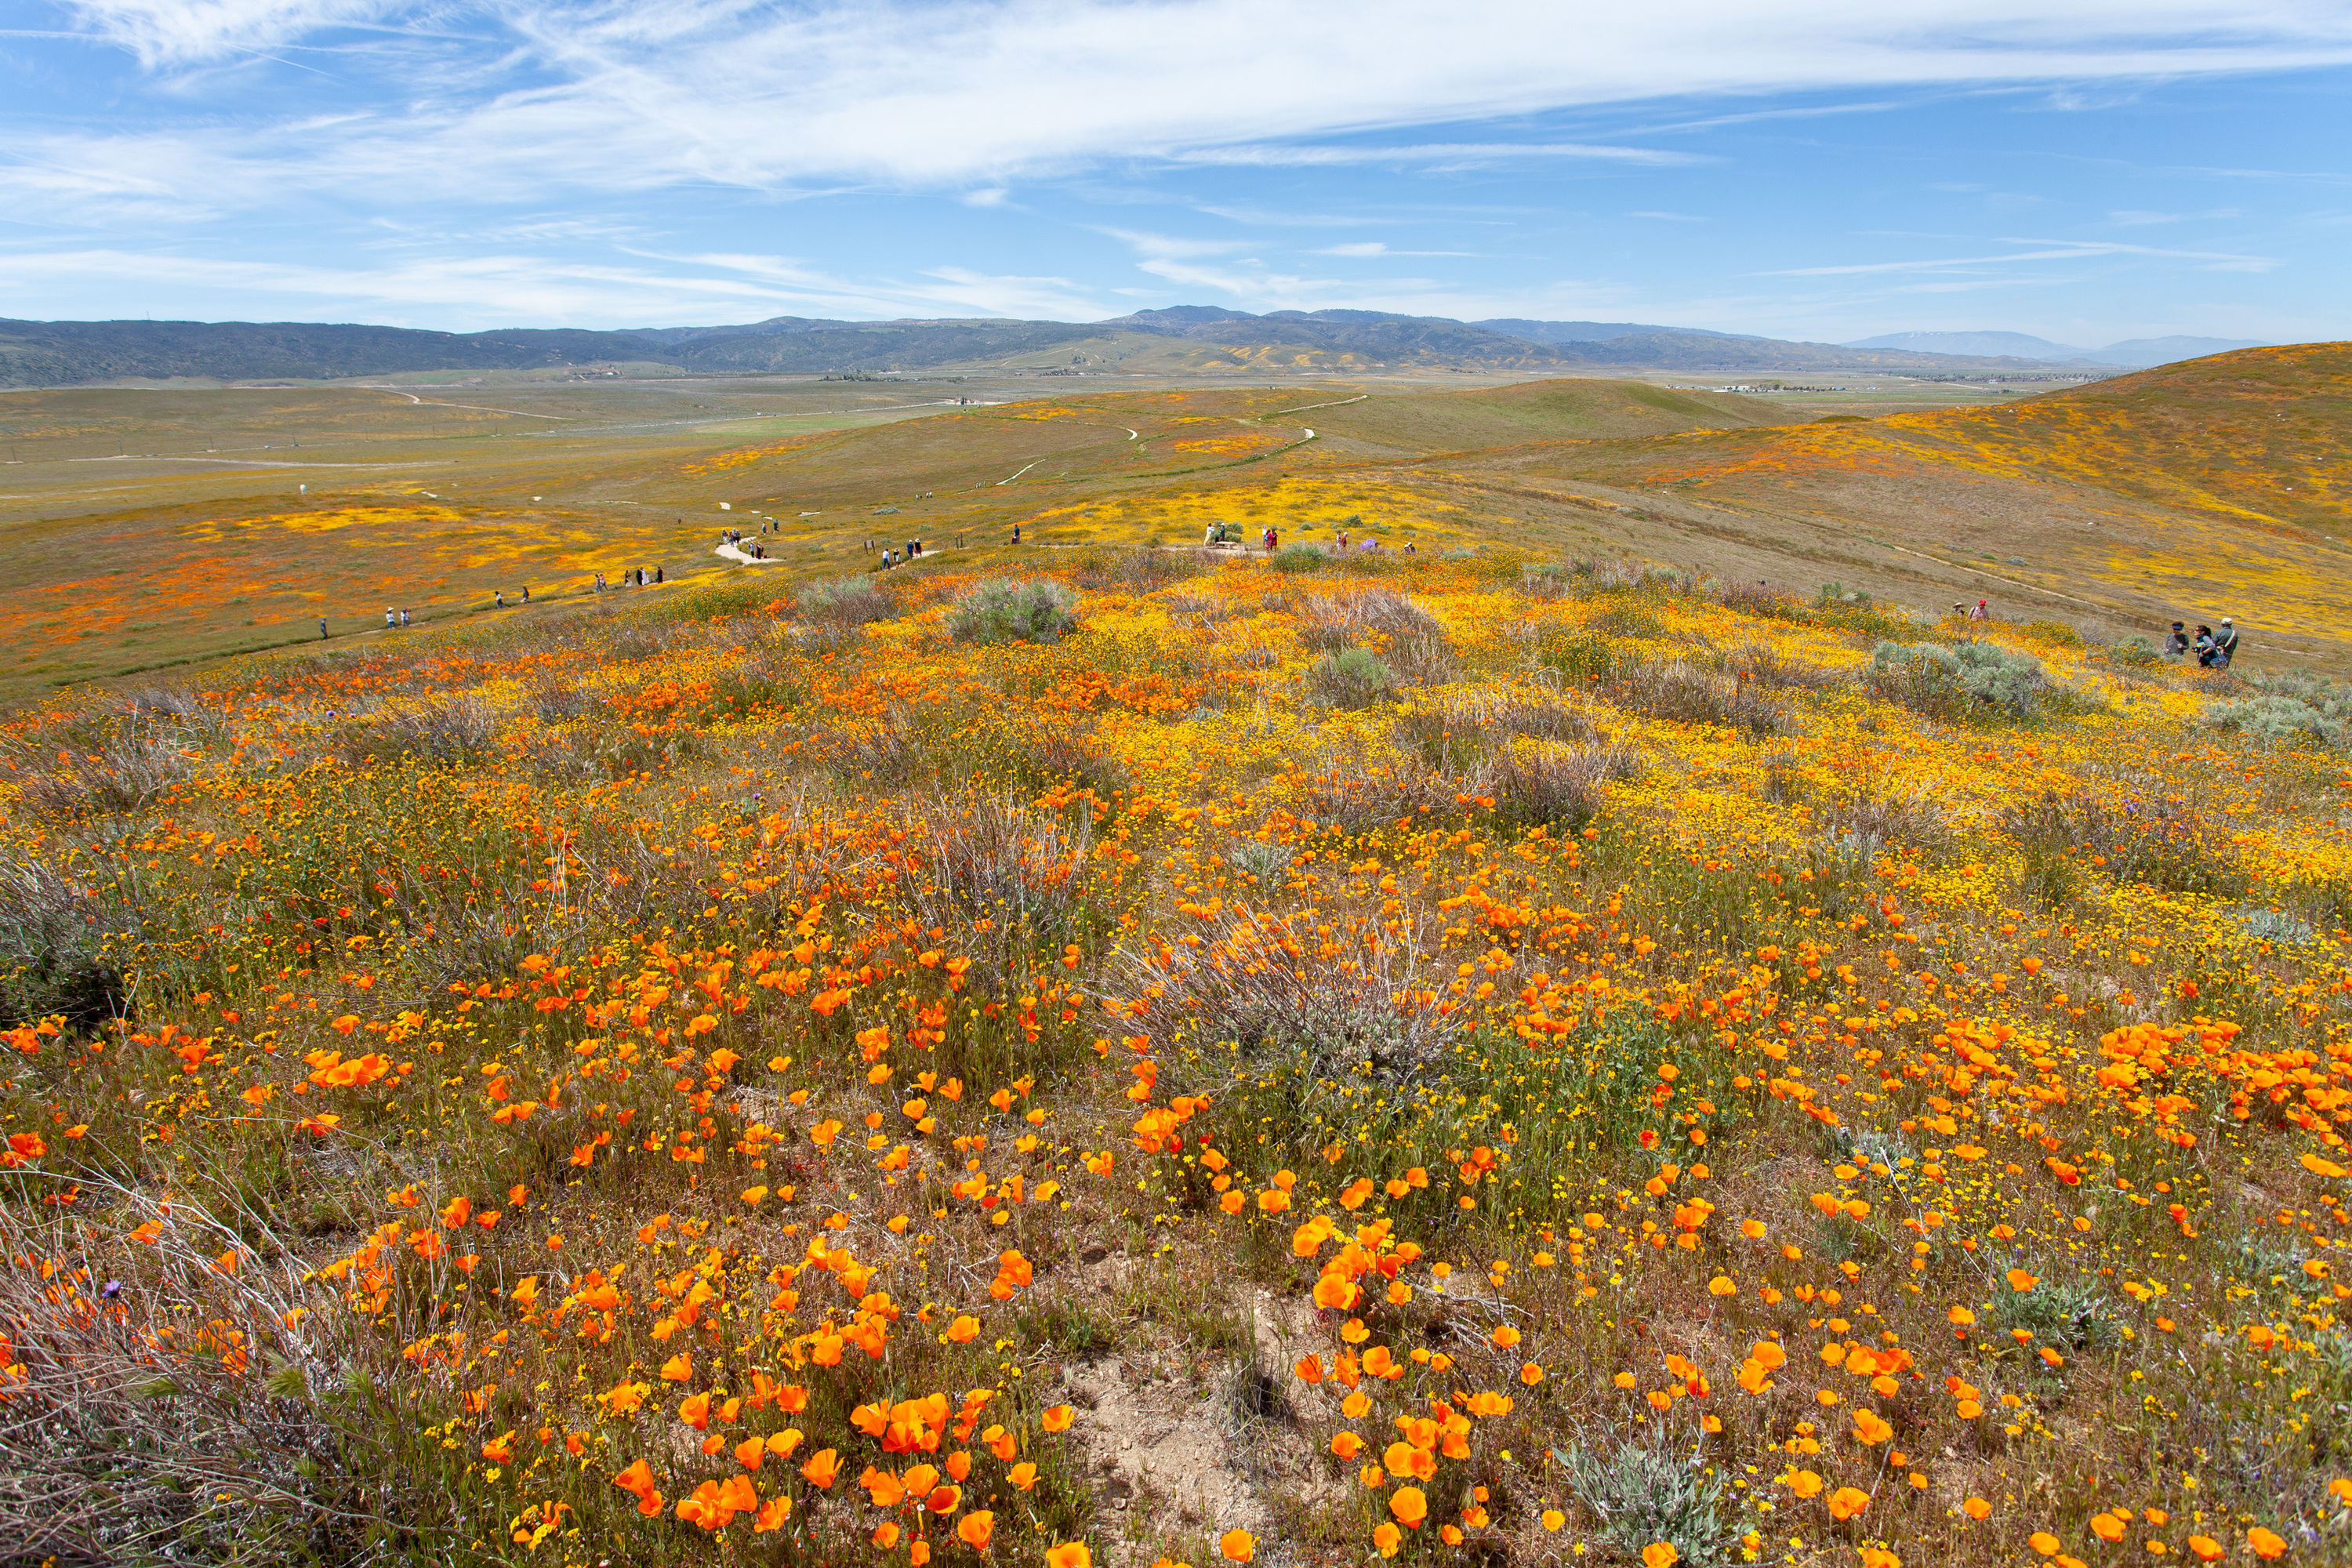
1184,337
2138,354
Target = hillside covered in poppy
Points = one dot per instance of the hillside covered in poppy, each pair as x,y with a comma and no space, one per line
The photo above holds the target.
1178,1059
1547,1018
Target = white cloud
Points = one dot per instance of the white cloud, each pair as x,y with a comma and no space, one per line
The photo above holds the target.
1366,249
512,99
187,32
500,290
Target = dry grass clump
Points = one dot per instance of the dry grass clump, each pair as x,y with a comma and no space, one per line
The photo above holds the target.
438,734
1138,569
1775,671
1406,638
1262,982
231,1426
125,769
1688,694
1465,725
53,957
1013,872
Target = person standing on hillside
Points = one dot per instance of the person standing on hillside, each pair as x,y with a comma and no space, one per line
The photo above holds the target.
498,599
2207,654
322,629
1984,612
2226,645
2176,644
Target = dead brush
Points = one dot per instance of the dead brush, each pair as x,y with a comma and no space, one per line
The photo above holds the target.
1358,792
1139,569
1912,818
1405,638
1011,876
1330,1007
1548,787
134,762
183,1400
1677,691
53,959
1469,725
1759,665
435,734
841,603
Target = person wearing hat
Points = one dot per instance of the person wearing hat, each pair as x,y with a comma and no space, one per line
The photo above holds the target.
2225,646
2176,644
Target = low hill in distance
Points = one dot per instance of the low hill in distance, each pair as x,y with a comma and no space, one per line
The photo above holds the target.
2139,353
1184,340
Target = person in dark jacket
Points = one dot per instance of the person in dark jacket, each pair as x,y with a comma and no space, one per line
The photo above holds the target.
2225,646
2207,653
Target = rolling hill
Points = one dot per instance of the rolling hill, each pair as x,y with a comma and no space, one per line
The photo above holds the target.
1181,340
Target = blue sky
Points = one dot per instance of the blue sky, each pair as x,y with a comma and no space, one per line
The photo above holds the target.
2085,170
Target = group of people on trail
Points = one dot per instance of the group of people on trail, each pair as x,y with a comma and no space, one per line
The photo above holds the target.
1980,611
899,554
395,620
634,577
734,536
498,599
2214,650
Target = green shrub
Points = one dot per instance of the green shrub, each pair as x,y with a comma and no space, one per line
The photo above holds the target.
1949,682
1001,610
1648,1491
2136,651
1299,558
2290,707
2067,1314
1351,678
851,601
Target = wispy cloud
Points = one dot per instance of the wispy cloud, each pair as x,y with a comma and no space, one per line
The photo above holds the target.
2060,250
508,288
511,99
1366,249
1448,154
